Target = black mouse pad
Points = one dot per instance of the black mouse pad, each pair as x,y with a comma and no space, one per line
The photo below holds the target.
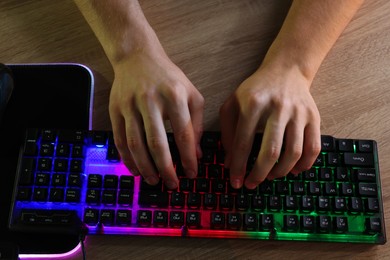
47,96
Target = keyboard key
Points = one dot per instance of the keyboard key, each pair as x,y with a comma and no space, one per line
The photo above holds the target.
123,217
193,219
144,218
160,218
91,217
217,220
358,159
153,199
365,146
340,224
373,225
368,189
327,143
176,218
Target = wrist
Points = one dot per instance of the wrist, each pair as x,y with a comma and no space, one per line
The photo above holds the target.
281,70
288,59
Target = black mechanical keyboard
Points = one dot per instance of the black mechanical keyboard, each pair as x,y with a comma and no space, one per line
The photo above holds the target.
72,179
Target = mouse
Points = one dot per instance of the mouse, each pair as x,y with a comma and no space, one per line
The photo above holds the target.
6,87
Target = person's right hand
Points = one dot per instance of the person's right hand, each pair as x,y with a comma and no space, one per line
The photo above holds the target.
147,90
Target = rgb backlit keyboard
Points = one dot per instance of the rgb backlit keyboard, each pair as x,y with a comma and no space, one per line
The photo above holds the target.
68,179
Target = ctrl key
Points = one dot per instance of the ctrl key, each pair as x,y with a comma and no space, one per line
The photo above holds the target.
373,225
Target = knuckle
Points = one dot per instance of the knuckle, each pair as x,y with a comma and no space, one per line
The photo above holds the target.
252,103
295,152
278,103
155,143
184,137
133,143
175,92
315,149
272,152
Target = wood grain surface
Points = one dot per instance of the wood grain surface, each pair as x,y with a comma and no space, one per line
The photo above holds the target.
218,43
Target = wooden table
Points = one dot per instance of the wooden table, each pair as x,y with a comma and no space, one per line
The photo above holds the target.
218,44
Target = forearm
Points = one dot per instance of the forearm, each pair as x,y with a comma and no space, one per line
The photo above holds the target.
310,30
120,26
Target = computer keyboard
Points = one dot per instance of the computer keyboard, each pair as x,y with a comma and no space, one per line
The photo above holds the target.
72,180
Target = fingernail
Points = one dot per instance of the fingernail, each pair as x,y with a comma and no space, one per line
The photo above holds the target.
250,186
171,185
236,183
152,180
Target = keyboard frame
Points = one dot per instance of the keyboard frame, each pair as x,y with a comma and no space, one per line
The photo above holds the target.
183,231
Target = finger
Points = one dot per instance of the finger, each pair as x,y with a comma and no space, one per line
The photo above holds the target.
196,107
119,134
228,119
138,149
293,145
158,146
242,146
311,148
185,140
270,150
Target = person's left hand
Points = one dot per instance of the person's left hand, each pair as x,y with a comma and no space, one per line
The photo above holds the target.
279,105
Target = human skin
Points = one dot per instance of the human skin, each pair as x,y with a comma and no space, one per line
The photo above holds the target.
149,89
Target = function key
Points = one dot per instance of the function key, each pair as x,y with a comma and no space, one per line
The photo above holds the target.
327,143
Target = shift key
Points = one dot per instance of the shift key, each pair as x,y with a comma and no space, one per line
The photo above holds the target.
358,159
